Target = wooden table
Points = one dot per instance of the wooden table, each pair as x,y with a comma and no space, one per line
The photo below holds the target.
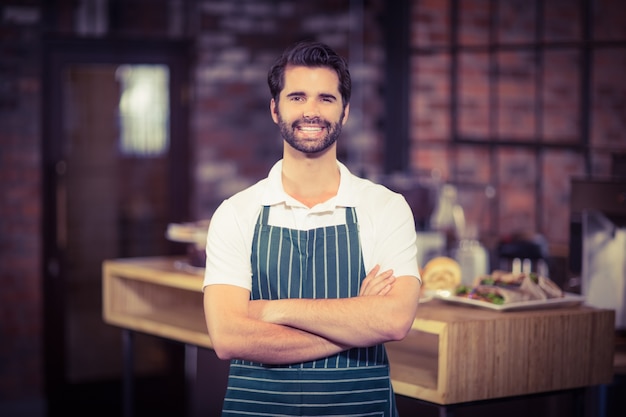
154,296
453,354
456,354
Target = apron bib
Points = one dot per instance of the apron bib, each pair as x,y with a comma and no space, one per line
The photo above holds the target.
320,263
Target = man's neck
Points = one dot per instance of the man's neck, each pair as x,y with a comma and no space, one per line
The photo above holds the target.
311,180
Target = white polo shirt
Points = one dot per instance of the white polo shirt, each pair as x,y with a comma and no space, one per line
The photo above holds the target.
386,225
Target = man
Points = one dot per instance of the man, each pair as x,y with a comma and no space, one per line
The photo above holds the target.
287,298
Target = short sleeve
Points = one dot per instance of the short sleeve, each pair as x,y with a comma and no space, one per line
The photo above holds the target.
228,249
395,241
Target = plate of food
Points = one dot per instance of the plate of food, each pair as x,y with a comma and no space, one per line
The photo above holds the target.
507,291
190,232
424,297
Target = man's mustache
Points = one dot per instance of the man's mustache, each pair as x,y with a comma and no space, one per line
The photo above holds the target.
310,121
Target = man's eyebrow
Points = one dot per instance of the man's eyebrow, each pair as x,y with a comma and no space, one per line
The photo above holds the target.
328,96
303,94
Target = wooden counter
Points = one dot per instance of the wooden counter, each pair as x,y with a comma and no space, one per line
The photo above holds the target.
152,295
453,354
457,354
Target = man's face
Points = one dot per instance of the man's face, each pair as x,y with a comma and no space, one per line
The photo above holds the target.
310,111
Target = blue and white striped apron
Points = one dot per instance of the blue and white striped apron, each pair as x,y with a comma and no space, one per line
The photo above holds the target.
320,263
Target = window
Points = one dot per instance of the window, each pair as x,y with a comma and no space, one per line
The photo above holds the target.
511,99
143,110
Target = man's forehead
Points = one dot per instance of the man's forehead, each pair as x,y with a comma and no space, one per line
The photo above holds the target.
311,78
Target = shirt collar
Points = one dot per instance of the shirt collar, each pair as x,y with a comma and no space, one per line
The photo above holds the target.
275,194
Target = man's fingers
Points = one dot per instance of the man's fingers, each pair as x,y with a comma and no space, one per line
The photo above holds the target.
368,279
377,284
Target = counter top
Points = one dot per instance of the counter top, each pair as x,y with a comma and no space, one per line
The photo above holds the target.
452,354
457,354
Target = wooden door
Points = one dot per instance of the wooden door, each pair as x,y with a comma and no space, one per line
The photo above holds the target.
115,166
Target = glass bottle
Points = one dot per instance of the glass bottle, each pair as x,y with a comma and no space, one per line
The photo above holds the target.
472,256
448,217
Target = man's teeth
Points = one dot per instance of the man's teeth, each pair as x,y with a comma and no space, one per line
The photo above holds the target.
310,128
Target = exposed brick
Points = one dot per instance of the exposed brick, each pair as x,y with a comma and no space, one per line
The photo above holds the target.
234,141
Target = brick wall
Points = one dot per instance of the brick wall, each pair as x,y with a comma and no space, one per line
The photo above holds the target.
20,204
234,141
526,188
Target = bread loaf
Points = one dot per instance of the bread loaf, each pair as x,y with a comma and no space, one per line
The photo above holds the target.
441,273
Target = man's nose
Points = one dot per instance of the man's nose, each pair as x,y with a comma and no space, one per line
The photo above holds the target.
311,110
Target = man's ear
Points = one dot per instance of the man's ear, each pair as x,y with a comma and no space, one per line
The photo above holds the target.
346,112
274,111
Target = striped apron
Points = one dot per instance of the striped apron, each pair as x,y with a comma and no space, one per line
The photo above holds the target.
320,263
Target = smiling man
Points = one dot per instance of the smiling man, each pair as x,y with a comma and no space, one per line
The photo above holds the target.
311,270
310,108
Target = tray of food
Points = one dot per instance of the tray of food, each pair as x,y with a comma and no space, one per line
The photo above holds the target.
499,291
566,300
190,232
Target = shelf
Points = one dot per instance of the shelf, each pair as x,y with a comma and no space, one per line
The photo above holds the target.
453,354
152,296
457,354
415,364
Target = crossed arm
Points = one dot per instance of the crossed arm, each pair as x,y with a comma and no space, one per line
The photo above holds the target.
299,330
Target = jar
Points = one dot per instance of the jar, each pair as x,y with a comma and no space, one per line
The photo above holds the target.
473,259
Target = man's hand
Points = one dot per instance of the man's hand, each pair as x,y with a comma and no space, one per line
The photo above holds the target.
377,284
373,284
235,333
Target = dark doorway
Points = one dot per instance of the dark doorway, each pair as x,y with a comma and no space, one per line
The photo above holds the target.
115,156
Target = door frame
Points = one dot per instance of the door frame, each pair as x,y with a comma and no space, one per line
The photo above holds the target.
58,53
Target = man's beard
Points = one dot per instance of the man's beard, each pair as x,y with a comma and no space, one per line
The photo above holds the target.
288,132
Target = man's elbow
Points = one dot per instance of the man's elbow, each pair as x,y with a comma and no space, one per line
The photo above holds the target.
402,310
223,350
225,355
400,327
399,331
223,342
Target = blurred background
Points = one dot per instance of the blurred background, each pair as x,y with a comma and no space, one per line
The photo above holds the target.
119,117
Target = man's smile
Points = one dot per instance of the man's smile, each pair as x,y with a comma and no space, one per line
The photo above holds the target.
310,135
309,130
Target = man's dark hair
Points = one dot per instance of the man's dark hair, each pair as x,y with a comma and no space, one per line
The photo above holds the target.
310,54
